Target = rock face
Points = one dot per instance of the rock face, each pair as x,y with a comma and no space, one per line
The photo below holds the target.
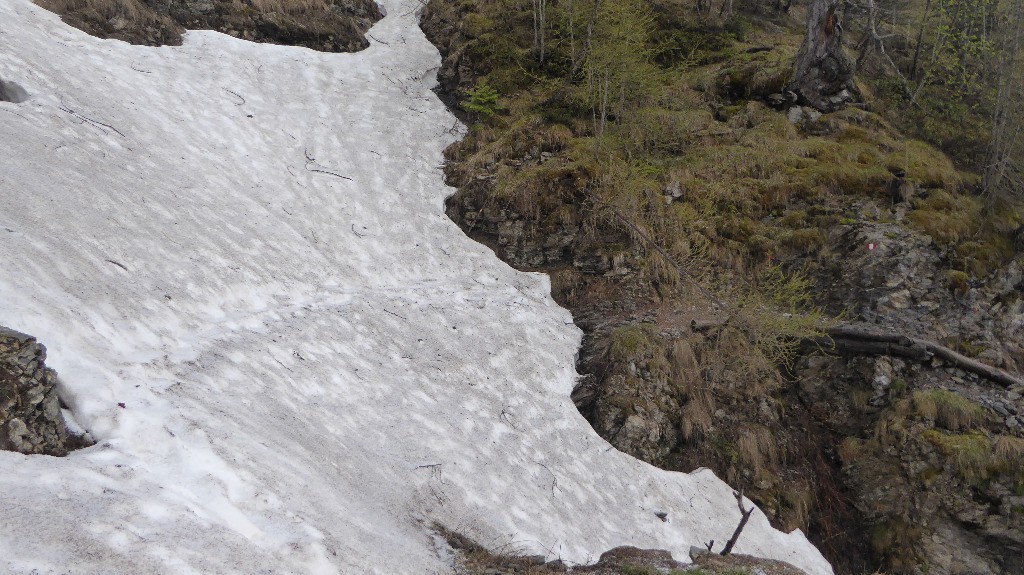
328,26
30,416
926,455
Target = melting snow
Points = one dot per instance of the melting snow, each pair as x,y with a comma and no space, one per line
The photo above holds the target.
246,246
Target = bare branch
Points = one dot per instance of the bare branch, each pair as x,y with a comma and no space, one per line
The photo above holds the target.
739,528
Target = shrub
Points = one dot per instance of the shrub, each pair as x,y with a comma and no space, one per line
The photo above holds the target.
482,100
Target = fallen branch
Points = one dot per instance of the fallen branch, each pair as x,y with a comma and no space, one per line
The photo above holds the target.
118,264
99,125
858,340
237,95
918,348
739,528
311,161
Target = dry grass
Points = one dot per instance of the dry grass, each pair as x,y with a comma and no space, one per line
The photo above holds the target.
135,12
799,500
290,6
311,23
970,455
948,409
756,448
697,415
1009,453
476,559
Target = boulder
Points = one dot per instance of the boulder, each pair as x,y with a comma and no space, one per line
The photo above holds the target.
30,417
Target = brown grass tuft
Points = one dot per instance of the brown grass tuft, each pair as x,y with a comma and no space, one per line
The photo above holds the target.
948,409
756,447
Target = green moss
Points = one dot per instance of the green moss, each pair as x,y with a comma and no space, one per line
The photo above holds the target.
928,475
795,219
925,165
982,257
475,24
959,282
632,343
971,454
948,219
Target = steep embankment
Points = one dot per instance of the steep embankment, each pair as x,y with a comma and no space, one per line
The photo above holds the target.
290,358
892,459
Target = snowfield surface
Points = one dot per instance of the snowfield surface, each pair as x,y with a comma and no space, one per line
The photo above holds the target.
245,246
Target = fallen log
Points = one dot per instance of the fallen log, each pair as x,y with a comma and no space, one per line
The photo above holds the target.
917,348
910,350
853,339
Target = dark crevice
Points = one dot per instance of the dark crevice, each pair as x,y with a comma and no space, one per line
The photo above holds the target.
12,92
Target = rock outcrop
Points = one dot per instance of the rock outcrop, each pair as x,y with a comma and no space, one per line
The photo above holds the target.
30,416
328,26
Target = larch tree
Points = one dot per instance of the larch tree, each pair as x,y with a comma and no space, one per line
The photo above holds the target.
1003,177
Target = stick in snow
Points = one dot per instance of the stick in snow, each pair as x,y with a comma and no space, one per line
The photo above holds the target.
739,528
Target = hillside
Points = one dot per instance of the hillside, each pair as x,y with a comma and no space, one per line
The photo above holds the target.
819,299
289,358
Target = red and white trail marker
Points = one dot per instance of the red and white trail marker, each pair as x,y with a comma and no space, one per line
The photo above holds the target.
871,246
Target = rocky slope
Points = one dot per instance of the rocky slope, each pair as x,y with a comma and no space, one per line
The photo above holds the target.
325,25
903,465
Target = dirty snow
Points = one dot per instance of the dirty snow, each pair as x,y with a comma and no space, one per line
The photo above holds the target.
245,245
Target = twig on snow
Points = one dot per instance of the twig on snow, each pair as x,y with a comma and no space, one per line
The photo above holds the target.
64,107
554,478
118,264
13,112
422,4
313,166
237,95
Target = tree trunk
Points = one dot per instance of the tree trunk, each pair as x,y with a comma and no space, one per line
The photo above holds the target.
823,77
1002,177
